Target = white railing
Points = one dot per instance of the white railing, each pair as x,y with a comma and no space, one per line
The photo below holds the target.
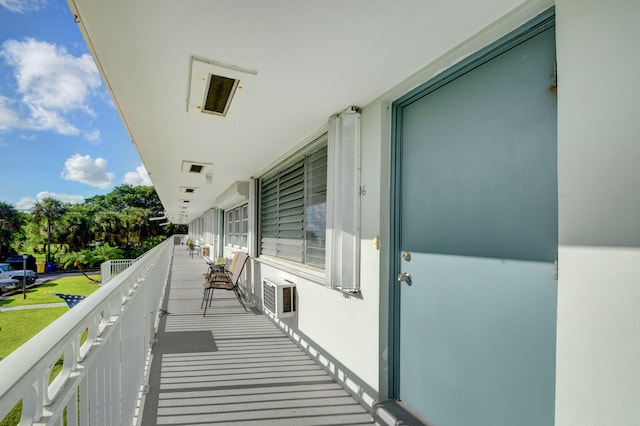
111,268
102,378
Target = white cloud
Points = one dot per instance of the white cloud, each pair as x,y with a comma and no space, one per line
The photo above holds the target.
138,177
27,203
8,117
93,136
84,169
44,119
22,6
51,83
65,198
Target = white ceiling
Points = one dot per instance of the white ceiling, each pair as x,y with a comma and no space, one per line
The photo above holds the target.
311,59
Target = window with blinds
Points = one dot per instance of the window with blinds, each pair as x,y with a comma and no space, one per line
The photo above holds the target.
293,210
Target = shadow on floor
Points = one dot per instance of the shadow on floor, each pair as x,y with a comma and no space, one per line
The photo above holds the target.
234,367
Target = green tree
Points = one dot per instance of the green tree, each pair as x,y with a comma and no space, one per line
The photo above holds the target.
107,227
105,252
34,237
74,229
50,210
124,196
120,218
84,258
10,221
136,221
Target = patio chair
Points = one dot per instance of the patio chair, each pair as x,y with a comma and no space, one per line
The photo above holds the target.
227,279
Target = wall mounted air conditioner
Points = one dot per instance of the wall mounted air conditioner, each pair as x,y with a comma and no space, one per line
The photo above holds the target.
279,298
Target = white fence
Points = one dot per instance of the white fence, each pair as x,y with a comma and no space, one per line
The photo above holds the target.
102,378
111,268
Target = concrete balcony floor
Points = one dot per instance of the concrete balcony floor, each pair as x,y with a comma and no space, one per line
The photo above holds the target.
234,367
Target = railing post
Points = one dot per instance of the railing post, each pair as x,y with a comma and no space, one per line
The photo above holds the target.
105,269
102,378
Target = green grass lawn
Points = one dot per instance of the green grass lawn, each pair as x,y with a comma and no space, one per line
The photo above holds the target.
79,285
16,327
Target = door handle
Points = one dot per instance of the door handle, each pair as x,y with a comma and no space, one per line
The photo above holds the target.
404,277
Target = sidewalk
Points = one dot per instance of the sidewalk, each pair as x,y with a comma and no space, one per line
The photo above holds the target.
21,308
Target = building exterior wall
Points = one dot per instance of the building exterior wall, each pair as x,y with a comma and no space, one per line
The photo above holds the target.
598,331
347,334
598,345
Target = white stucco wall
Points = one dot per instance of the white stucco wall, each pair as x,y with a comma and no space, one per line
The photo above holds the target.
342,331
339,331
598,340
348,335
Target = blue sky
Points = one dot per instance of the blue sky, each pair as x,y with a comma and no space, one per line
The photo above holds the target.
60,134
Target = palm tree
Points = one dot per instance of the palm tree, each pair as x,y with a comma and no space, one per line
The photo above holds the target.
136,221
51,210
105,252
107,226
73,230
79,259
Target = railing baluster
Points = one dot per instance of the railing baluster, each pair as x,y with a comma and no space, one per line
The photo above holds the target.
103,378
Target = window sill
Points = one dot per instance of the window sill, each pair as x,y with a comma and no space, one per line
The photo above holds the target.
308,273
305,272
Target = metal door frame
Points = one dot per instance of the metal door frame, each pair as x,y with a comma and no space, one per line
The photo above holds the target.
532,28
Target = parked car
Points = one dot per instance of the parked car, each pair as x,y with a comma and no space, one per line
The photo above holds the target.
17,260
7,271
8,284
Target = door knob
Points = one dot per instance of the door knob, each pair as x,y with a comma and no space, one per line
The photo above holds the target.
404,277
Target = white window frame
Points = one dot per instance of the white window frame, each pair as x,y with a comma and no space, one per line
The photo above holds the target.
235,235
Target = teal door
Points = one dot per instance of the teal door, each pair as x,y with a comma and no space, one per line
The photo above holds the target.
476,190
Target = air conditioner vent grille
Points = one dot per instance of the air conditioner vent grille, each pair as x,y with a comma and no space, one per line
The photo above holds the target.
279,299
269,298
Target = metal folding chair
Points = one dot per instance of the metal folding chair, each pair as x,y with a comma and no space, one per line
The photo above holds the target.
225,279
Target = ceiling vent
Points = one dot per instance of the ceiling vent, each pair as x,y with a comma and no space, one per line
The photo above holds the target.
194,166
187,189
219,94
216,88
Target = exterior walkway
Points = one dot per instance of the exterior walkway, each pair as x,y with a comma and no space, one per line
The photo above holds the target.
234,367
